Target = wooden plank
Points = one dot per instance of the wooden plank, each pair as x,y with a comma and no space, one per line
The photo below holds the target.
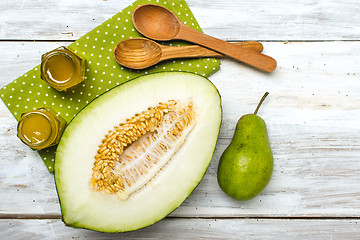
312,115
171,228
250,20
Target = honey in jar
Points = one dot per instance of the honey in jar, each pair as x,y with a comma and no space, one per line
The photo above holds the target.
40,128
62,69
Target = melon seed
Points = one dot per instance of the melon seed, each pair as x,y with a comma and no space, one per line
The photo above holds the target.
133,152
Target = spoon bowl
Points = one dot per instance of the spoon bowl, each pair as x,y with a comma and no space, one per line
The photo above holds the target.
137,53
140,53
159,23
145,16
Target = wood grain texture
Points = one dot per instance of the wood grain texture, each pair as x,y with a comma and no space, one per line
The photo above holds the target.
312,116
140,53
158,23
228,20
172,228
249,57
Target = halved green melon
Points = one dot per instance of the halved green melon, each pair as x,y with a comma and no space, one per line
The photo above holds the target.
166,124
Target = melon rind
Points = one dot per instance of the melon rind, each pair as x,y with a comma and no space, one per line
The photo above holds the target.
82,207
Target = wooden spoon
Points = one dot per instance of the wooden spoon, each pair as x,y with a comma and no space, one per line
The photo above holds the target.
139,53
159,23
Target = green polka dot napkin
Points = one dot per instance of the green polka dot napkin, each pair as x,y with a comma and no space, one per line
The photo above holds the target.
29,92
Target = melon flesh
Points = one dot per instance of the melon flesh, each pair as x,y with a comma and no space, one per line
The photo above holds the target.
82,206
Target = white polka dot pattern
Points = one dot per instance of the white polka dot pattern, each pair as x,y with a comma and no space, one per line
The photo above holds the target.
102,72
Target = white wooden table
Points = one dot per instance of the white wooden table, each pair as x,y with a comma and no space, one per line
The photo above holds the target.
312,113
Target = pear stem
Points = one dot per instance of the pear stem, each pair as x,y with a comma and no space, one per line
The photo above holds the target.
261,101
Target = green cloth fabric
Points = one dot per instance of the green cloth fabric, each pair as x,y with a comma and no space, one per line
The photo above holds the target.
30,92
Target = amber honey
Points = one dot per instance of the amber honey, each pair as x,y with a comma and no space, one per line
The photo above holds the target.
62,69
36,129
40,128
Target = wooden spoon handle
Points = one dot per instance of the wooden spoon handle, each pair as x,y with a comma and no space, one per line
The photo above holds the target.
199,51
254,45
248,56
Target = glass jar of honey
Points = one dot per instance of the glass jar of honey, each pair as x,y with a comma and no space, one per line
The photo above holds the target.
40,128
62,69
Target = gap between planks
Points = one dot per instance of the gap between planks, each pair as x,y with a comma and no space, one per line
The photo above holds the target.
57,216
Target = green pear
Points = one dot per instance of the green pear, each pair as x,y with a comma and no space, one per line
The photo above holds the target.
246,166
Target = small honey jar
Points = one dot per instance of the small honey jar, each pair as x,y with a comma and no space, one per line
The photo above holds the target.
40,128
62,69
